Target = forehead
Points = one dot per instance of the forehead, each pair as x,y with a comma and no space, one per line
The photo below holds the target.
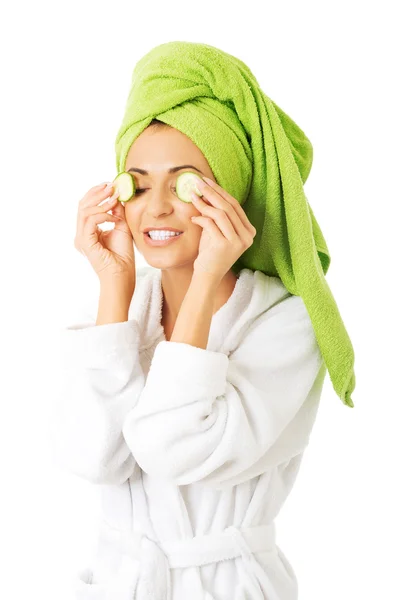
157,150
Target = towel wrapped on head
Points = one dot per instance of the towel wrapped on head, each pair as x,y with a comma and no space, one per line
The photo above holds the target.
262,158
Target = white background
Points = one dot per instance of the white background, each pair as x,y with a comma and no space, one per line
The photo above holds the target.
65,74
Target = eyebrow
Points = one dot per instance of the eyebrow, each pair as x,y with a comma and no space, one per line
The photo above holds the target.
172,170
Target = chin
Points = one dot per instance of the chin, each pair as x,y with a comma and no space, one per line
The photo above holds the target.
165,264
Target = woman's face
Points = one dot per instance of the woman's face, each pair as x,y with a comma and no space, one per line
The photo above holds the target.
156,151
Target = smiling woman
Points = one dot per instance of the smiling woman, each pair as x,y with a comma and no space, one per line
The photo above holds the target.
194,408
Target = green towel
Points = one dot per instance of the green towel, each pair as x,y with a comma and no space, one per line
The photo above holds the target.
262,158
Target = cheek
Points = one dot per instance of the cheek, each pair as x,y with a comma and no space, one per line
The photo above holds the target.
132,217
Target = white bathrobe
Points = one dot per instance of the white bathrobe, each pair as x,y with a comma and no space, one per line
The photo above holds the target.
194,451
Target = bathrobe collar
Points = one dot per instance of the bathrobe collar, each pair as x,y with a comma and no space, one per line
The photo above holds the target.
253,294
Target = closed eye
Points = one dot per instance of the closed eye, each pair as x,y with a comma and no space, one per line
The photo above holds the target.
141,190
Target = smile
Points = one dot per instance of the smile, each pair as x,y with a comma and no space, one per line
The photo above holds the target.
165,242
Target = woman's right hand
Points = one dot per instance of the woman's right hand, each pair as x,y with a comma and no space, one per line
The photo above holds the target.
111,252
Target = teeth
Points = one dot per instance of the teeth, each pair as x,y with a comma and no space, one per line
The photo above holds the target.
162,235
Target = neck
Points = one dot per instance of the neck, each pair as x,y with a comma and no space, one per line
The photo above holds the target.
175,284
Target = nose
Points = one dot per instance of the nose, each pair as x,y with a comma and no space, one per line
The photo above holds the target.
159,200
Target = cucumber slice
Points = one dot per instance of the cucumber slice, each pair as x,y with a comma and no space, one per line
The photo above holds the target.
186,184
125,184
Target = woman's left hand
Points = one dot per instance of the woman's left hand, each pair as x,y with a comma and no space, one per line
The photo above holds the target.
227,232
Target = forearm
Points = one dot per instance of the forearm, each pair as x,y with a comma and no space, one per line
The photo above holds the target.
114,302
101,379
194,319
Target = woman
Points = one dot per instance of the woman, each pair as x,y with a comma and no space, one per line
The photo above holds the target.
191,393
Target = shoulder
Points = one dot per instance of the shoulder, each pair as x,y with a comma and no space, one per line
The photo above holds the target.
277,301
282,322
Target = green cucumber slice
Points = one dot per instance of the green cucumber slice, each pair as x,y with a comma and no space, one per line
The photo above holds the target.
186,184
124,183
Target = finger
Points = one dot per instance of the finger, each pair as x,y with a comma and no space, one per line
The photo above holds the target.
122,224
84,212
96,195
225,217
214,191
118,209
91,222
209,225
228,206
91,226
104,208
86,224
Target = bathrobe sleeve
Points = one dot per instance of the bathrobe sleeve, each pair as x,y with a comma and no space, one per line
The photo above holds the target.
220,420
100,381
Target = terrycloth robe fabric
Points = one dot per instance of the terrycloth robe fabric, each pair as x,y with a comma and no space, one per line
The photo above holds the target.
194,450
262,158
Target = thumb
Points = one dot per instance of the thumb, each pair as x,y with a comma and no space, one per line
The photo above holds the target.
119,210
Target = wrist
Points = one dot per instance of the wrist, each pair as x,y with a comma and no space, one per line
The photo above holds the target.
117,284
113,306
206,279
